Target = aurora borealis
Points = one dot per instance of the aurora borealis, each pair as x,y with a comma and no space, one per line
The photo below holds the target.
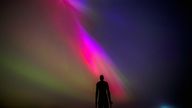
53,51
69,61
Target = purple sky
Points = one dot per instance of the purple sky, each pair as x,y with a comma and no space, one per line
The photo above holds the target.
146,41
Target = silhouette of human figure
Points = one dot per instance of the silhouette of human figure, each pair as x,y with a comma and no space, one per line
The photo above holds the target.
103,95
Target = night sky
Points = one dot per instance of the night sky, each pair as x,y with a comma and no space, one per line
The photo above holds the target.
148,40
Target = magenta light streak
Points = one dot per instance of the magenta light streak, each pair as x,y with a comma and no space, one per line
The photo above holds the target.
66,20
98,63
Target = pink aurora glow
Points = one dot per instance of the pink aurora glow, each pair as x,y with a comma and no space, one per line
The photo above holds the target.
66,17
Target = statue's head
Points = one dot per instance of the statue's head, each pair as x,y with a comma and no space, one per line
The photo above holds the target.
101,77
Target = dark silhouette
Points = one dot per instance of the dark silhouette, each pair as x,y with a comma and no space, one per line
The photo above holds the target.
103,95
